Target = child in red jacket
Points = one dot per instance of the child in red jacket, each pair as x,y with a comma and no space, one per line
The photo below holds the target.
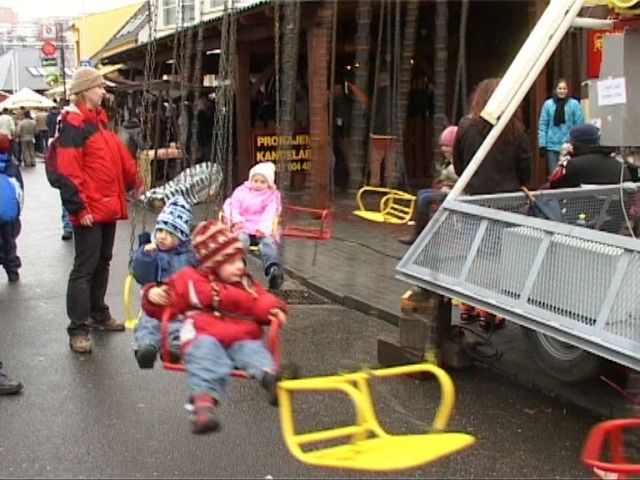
224,311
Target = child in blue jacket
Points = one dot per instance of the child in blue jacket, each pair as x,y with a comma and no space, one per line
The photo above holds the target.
154,262
11,196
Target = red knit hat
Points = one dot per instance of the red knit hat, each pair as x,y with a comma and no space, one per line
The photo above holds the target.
214,244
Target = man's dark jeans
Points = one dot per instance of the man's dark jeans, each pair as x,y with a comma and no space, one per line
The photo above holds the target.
90,276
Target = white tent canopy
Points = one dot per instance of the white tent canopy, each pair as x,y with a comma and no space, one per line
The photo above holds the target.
26,98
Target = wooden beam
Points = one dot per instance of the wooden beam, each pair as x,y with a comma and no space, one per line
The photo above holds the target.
255,33
243,114
255,18
317,54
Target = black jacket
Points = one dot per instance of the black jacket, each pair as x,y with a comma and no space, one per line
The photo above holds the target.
590,166
506,167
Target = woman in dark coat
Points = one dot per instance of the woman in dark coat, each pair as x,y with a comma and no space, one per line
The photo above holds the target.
506,168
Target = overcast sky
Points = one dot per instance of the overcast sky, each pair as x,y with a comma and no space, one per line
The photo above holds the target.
31,9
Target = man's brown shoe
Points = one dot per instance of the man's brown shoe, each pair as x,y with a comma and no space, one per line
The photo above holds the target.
111,325
80,343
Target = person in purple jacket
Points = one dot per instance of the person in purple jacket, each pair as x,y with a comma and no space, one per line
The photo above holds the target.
252,212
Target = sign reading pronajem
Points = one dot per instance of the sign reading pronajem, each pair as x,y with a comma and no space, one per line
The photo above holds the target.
294,149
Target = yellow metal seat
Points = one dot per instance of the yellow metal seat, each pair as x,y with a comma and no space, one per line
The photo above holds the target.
367,446
395,206
130,320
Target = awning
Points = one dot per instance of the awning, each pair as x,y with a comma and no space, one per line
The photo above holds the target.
107,69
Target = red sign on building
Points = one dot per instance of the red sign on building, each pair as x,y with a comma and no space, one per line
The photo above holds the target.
594,52
48,49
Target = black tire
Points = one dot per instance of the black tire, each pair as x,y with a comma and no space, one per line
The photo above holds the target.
560,360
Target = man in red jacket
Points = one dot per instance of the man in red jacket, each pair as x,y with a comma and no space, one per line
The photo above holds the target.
93,169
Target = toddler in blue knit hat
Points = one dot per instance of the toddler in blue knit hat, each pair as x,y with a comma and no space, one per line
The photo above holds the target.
166,253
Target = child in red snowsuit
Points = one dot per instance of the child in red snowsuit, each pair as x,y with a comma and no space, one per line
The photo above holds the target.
224,312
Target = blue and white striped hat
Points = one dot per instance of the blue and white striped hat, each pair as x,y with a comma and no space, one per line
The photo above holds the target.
176,218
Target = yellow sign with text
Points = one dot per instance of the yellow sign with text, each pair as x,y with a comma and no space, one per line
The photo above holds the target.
294,150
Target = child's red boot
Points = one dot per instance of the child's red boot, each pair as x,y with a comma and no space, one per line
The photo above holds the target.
489,321
203,420
468,314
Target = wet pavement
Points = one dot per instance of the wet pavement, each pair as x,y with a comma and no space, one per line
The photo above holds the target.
357,269
100,416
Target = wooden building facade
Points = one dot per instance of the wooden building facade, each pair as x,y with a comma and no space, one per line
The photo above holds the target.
492,32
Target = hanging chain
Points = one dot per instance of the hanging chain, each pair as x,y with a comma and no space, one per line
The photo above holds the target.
186,55
197,82
321,93
374,98
144,133
186,52
176,31
222,148
286,94
397,122
440,76
332,75
149,64
404,82
276,47
291,39
358,116
459,88
232,46
171,120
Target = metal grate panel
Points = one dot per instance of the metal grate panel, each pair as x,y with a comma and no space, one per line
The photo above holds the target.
449,245
575,283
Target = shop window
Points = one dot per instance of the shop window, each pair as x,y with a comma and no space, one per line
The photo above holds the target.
169,14
215,4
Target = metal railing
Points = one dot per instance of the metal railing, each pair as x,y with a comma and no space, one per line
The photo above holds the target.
580,284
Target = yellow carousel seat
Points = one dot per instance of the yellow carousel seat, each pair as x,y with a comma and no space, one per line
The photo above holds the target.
395,206
130,320
367,446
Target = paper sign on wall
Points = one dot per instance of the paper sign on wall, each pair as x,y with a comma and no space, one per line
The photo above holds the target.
612,91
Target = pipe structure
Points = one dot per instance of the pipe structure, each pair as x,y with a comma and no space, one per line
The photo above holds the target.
593,23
